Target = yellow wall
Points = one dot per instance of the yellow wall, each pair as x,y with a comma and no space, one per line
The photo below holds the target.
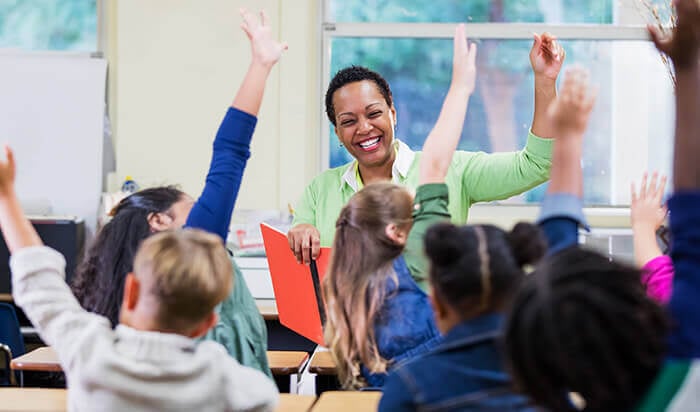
174,67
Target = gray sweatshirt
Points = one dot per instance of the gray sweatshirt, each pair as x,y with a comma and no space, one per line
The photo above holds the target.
126,369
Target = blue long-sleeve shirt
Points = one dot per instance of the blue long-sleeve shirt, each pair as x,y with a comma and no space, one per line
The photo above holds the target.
212,211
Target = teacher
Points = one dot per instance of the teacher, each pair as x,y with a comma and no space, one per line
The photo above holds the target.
359,104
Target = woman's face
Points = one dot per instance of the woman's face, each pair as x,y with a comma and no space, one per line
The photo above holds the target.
365,123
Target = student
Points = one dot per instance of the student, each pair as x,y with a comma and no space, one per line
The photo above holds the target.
99,281
648,214
473,272
150,361
360,106
377,314
581,333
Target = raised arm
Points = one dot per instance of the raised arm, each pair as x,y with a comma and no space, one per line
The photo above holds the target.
562,210
212,211
431,200
38,284
647,215
443,139
16,228
683,47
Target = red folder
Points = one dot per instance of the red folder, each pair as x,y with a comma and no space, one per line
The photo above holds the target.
297,286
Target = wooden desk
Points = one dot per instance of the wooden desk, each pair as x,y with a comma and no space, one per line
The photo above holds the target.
33,399
6,297
295,403
284,362
322,364
41,359
340,401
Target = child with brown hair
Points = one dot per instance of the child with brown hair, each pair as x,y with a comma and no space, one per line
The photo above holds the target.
378,315
151,360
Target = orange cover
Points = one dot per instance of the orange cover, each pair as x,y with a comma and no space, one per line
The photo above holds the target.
293,284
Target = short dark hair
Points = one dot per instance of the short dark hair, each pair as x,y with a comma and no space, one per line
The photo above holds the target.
475,269
354,74
583,323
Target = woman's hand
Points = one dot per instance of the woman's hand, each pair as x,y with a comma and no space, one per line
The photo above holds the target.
546,56
305,242
266,50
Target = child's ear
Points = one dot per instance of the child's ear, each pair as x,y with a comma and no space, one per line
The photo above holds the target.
204,325
159,222
397,234
131,291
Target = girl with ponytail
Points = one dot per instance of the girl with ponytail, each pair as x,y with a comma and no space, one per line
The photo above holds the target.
378,315
473,272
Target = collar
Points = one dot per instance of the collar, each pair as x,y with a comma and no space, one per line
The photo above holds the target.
399,170
472,332
152,345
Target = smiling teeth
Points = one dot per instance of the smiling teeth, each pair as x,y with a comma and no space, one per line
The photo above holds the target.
369,143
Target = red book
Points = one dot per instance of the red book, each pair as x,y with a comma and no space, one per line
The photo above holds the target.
297,286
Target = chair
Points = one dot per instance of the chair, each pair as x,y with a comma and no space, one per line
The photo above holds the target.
11,341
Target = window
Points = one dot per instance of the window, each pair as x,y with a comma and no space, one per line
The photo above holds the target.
66,25
408,42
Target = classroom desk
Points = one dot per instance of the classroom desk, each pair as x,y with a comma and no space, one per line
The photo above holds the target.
33,399
268,309
6,297
323,366
41,359
286,366
54,400
341,401
295,403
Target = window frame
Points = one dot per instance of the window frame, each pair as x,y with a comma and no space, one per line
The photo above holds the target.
629,26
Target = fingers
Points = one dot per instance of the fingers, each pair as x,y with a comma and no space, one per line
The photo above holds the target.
536,44
315,247
472,54
460,40
662,189
662,42
633,194
264,19
10,156
643,186
305,242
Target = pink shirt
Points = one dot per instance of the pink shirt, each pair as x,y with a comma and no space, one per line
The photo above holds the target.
658,278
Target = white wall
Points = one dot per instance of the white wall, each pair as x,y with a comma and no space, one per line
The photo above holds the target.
175,66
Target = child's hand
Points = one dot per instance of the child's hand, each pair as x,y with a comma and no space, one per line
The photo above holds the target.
546,56
570,111
646,208
463,61
7,172
266,50
683,45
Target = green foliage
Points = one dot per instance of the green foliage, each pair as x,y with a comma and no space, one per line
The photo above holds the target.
49,24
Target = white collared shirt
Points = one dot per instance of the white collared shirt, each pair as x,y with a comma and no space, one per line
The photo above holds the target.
402,163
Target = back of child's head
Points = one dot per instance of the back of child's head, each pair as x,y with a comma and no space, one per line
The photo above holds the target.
583,323
99,280
187,272
361,263
475,268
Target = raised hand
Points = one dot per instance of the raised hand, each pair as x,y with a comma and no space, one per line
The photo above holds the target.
265,48
647,210
569,112
546,56
683,44
7,172
463,61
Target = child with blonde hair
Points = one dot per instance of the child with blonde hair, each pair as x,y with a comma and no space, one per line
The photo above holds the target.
151,360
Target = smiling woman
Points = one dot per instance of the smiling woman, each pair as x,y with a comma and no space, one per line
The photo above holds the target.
360,106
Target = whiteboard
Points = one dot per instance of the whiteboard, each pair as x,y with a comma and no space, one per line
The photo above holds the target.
52,109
